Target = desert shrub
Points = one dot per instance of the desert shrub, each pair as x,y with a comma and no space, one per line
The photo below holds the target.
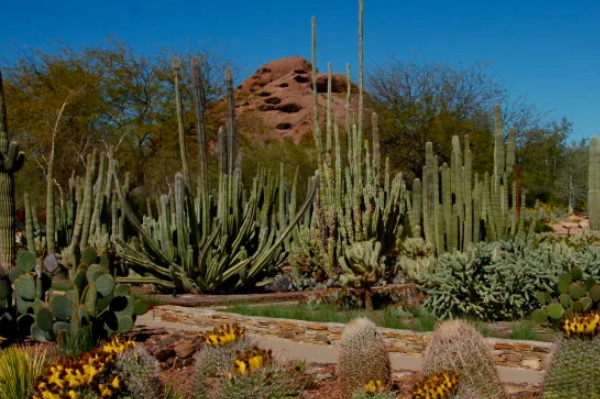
458,346
141,374
363,357
493,281
19,369
75,342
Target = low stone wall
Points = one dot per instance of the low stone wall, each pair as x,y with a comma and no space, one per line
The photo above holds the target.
529,355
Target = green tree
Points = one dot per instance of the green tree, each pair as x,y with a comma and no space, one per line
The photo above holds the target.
433,101
115,98
571,184
541,154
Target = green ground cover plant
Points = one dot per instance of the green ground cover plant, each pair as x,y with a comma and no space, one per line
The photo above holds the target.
419,320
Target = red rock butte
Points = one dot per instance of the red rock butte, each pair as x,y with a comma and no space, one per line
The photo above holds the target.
279,94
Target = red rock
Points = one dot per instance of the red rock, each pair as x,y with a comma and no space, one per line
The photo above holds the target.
185,349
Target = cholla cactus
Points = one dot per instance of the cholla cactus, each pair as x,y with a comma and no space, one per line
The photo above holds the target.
363,266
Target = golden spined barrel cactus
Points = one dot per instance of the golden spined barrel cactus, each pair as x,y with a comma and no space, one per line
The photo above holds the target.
574,371
442,385
363,357
458,346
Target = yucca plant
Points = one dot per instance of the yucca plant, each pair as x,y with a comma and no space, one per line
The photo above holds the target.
20,367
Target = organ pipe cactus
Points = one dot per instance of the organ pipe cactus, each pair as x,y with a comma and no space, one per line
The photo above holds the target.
450,204
11,161
211,243
358,199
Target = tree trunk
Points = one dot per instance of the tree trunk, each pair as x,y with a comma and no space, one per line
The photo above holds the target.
368,298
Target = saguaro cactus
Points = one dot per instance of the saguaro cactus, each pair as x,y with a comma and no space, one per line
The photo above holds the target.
11,161
594,184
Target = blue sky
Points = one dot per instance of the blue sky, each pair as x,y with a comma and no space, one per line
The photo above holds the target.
547,50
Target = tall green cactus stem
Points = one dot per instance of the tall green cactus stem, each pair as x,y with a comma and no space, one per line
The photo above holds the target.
353,206
11,161
202,189
29,236
213,244
180,130
593,204
452,221
50,205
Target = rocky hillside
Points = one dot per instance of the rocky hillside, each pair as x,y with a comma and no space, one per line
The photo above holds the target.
279,96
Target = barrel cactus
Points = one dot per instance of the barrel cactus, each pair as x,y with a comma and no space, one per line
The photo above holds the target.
363,357
459,347
573,371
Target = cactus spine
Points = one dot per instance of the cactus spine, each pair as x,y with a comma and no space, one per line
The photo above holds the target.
573,370
363,357
11,161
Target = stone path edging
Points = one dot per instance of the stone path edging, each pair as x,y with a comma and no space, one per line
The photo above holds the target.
517,361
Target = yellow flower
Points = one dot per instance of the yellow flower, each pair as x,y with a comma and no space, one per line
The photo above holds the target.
105,392
374,386
241,367
116,384
255,362
72,394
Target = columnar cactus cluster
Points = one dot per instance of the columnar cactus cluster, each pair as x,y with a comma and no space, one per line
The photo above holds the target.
212,243
450,204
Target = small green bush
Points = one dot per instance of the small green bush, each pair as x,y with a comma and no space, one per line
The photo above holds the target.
20,367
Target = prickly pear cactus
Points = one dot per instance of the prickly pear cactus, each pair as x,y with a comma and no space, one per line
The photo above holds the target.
31,283
96,300
363,357
573,295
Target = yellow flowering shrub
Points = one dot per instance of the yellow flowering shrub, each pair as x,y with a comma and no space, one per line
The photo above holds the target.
92,372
